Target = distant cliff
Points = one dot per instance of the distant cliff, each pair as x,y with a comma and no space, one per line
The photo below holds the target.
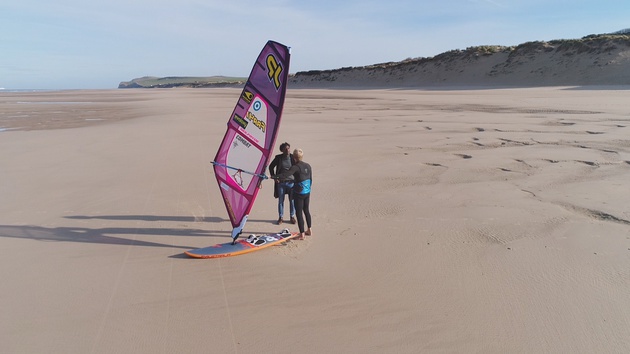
183,81
592,60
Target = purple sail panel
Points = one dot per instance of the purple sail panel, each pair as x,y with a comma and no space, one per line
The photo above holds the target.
244,153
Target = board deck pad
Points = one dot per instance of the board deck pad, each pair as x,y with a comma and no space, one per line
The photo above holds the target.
250,244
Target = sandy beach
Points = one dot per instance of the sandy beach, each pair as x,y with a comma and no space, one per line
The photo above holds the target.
445,221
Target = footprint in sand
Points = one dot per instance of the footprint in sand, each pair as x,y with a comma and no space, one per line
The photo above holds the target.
464,156
596,214
590,163
523,162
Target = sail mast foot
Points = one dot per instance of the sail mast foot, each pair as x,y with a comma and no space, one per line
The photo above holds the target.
236,232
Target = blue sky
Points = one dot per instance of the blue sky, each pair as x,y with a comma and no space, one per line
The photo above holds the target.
82,44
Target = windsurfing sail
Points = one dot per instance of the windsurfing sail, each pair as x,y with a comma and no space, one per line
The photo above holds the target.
243,155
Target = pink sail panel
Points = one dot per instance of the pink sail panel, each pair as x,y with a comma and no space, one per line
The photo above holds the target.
248,143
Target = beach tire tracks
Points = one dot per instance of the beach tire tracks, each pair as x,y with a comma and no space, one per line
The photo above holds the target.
119,276
227,306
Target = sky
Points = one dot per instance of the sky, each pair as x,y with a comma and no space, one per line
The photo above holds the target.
96,44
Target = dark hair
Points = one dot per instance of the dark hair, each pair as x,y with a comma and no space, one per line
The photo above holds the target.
283,145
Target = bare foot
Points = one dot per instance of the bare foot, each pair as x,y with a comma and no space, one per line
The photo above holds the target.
308,232
301,237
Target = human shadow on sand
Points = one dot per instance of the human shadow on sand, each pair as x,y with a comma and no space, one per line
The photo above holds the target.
148,218
118,235
208,219
106,235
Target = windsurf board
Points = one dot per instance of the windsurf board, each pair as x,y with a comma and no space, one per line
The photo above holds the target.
250,244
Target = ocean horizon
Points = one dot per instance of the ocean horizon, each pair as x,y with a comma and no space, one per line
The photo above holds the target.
2,89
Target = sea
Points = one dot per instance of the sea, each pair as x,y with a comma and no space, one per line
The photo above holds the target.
6,90
3,90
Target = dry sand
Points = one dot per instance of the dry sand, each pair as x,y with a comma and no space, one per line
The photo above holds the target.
476,221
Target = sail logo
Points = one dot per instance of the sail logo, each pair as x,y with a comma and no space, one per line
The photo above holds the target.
256,119
257,122
248,96
243,141
240,121
274,70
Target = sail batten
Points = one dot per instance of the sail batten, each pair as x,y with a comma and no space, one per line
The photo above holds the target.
244,153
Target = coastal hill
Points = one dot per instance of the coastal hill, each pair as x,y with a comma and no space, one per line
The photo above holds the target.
592,60
602,59
183,81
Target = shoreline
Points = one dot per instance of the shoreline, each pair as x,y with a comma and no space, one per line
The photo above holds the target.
57,109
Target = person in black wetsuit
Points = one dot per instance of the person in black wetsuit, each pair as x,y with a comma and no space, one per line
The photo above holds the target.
282,163
303,175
